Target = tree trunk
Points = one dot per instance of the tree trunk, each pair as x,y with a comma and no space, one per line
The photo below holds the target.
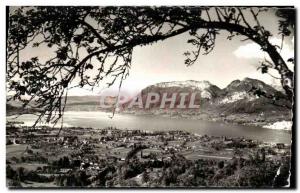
287,76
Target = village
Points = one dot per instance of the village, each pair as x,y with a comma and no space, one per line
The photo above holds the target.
115,157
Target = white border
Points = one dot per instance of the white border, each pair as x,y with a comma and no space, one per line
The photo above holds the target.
3,3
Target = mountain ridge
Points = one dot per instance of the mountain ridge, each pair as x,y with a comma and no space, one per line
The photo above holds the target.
211,96
233,103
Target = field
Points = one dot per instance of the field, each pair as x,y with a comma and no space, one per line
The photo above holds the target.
15,150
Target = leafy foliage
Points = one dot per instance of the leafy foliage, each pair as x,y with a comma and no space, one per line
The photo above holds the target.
89,44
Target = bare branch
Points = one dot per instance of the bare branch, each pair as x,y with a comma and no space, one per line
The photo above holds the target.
244,20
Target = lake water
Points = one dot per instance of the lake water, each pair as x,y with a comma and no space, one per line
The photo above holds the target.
156,123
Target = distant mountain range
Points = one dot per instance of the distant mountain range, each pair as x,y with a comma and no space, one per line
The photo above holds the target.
16,109
234,99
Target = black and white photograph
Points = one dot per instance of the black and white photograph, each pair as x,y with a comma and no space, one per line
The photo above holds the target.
189,97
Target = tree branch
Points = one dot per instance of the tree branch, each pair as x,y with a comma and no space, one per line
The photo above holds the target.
244,20
94,31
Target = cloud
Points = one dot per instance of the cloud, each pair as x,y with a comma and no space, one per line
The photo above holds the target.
253,50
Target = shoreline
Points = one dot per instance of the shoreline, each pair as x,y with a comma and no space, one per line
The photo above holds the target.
236,119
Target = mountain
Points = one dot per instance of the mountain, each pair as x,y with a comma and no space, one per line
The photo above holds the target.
88,103
205,92
18,110
247,84
234,99
74,103
232,104
214,102
82,103
206,89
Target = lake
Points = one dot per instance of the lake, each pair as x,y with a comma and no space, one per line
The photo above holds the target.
159,123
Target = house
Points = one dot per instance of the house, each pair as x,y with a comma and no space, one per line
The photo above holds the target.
65,170
280,145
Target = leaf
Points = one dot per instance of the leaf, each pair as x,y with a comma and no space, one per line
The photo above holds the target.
34,59
264,69
77,39
89,66
36,44
187,61
291,60
187,53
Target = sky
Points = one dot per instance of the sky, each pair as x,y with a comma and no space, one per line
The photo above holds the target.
164,61
230,60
